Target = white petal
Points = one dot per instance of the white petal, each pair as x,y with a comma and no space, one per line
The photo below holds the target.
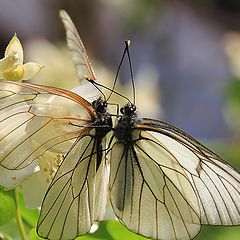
30,70
94,227
87,90
34,189
11,178
15,46
8,62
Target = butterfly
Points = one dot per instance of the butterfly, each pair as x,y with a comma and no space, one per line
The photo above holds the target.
41,122
163,184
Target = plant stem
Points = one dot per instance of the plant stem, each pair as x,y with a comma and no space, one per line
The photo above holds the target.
19,217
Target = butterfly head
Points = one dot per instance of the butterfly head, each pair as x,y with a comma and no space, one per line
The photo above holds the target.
100,105
103,118
128,110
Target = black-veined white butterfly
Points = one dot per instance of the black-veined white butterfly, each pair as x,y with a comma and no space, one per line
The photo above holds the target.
38,121
163,184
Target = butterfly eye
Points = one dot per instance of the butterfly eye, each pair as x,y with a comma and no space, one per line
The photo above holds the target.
129,109
104,104
133,108
122,110
99,105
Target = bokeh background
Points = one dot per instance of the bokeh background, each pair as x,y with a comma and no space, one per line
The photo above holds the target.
185,56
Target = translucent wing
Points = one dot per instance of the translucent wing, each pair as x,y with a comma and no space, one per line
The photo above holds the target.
33,120
101,193
80,58
216,183
69,207
165,184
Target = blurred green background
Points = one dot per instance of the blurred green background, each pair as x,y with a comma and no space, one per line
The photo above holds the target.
186,62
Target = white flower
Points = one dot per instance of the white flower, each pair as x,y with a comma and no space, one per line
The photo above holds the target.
12,67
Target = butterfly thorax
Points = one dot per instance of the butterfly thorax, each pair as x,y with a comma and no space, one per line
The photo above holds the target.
103,119
125,124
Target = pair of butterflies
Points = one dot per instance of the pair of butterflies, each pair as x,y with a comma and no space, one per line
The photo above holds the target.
162,184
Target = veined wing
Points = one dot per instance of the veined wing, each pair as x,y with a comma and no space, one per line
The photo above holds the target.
80,58
101,192
216,183
76,196
165,184
68,209
145,196
33,120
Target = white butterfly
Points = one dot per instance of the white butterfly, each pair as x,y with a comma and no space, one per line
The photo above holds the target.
164,184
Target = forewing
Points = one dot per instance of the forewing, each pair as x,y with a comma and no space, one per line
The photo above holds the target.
216,183
68,207
33,120
149,191
79,55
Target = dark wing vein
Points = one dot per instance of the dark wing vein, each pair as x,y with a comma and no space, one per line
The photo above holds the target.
72,213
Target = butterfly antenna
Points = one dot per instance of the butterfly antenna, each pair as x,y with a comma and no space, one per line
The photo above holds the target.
128,42
97,86
109,89
117,74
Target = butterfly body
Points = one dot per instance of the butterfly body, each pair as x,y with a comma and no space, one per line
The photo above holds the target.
103,118
103,126
124,128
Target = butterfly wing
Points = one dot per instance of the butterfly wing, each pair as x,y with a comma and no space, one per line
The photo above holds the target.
68,207
77,195
217,184
164,184
101,193
33,120
80,58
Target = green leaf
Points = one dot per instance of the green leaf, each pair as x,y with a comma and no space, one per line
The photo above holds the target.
118,231
33,235
4,236
7,207
111,230
101,233
219,233
10,230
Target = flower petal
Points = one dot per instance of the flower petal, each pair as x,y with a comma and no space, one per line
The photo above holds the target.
8,62
31,69
15,46
9,179
36,181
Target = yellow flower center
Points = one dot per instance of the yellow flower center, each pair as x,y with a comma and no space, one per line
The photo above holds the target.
49,164
15,73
